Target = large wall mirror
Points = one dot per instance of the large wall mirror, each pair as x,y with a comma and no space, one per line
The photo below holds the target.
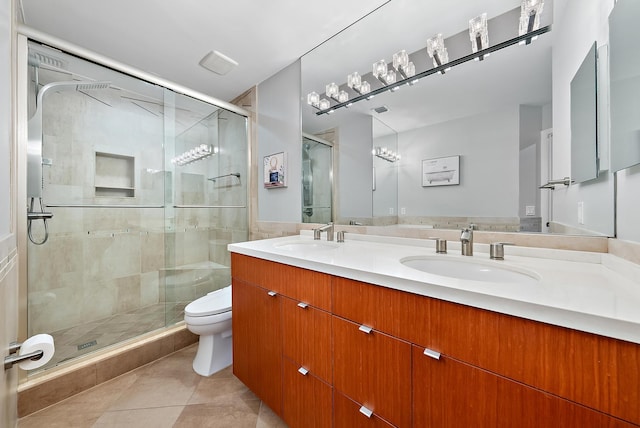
492,117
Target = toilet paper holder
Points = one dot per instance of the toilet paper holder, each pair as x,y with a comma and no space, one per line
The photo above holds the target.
11,359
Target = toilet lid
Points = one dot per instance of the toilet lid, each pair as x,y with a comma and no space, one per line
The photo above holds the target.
213,303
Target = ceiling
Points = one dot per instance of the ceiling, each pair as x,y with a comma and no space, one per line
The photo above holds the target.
168,38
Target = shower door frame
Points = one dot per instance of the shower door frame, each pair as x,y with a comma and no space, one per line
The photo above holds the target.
23,35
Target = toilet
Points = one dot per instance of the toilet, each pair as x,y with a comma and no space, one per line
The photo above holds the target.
210,317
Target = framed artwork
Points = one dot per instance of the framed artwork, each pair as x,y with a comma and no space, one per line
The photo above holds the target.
441,171
275,170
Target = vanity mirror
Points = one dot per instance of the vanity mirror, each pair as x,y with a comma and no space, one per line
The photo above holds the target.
584,142
490,113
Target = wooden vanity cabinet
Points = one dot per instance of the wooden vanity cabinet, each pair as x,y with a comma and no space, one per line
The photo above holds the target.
448,393
594,371
531,362
257,338
282,342
361,348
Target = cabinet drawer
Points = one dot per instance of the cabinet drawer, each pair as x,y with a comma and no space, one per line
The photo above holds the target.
300,284
373,369
595,371
306,337
349,414
306,399
449,393
394,312
251,269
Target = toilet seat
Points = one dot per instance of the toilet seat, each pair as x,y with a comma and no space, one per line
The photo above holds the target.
216,302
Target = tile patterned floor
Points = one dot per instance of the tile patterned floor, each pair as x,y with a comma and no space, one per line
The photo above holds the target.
166,393
89,337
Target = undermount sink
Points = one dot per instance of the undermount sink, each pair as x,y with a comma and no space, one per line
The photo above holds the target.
471,270
307,245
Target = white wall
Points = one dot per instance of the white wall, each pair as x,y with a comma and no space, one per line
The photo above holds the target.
628,204
355,168
8,254
385,197
488,145
5,115
530,127
577,24
279,131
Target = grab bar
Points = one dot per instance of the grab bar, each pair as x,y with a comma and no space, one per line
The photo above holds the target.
102,206
551,184
209,206
233,174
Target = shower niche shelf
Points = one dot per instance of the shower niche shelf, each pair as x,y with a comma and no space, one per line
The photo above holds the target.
114,175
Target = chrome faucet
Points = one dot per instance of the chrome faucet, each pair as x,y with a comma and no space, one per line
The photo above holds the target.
326,228
466,241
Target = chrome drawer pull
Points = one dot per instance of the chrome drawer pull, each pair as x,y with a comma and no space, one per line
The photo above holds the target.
303,305
365,329
272,293
368,413
303,371
433,354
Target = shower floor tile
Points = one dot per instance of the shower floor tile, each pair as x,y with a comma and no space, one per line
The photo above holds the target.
83,339
164,393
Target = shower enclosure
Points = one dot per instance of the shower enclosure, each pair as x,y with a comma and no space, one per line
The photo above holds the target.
134,192
317,180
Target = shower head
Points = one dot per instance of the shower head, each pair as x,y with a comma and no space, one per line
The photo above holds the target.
37,59
92,86
34,143
75,85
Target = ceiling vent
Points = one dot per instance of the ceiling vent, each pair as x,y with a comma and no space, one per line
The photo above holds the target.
218,63
381,109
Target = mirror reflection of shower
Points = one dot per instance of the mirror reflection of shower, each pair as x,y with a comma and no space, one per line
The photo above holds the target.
35,161
317,180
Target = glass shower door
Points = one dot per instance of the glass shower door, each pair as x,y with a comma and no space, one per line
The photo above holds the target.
317,181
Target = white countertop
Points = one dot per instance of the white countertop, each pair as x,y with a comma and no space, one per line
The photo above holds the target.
592,292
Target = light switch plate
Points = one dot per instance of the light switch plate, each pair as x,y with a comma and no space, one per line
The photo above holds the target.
530,210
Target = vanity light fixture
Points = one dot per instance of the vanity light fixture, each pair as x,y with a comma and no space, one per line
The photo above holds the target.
332,90
384,153
437,51
403,66
383,74
201,152
530,11
479,34
355,82
313,99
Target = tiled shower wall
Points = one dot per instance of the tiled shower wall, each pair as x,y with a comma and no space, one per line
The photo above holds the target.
99,262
